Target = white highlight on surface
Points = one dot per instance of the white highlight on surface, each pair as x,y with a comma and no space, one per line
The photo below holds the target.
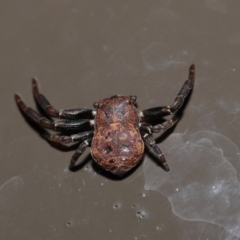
217,5
202,184
10,188
229,105
157,57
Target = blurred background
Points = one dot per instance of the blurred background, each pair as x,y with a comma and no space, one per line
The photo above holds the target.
83,51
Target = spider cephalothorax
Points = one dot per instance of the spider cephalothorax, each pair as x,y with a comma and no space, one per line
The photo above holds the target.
116,131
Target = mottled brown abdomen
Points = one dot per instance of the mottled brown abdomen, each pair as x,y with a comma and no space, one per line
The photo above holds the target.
117,148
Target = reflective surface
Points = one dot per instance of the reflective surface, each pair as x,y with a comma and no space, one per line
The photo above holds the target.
83,51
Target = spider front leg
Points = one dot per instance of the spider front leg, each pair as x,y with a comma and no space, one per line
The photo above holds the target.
79,152
75,113
62,124
158,112
150,142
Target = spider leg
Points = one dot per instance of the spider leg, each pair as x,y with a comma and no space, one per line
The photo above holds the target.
79,137
156,112
62,124
150,142
75,113
159,127
79,152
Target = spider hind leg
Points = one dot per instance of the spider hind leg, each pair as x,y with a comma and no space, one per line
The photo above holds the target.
150,142
82,147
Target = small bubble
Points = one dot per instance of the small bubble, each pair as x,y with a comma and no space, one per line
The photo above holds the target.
86,167
133,206
140,215
102,184
158,228
69,223
184,53
177,189
234,69
117,205
143,195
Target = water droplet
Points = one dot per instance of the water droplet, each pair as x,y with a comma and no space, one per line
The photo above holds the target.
140,215
158,228
70,223
117,206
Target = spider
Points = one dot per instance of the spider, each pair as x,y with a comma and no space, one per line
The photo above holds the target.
116,130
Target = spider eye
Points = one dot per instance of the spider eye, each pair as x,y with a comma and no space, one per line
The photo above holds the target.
133,99
95,104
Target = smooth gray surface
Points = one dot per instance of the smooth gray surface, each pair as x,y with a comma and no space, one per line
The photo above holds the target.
82,51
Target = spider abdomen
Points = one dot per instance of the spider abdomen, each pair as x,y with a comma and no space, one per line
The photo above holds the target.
117,148
117,144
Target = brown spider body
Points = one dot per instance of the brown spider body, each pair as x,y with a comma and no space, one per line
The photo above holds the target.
117,144
116,131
